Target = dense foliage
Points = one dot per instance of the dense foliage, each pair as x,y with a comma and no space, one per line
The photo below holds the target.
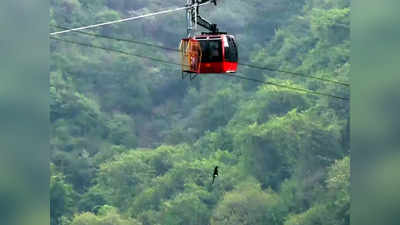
131,143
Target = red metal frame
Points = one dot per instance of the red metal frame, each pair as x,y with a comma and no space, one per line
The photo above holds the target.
217,67
223,66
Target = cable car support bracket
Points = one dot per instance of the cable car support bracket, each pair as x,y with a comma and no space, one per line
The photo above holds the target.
193,19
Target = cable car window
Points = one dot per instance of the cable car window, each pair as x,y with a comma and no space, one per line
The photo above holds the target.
211,50
226,44
231,54
233,49
228,51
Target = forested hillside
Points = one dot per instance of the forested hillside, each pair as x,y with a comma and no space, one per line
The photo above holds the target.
133,144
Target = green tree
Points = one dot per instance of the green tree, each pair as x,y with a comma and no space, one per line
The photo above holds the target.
62,197
294,143
185,208
316,215
121,130
217,110
246,205
106,215
338,184
123,178
333,206
92,200
267,102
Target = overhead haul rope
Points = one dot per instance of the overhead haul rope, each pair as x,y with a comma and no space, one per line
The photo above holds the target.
242,64
119,39
114,50
232,75
295,74
126,19
286,86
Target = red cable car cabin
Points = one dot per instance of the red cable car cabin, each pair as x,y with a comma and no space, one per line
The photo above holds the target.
218,54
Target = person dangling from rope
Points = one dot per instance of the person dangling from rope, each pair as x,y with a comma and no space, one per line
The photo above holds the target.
215,174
